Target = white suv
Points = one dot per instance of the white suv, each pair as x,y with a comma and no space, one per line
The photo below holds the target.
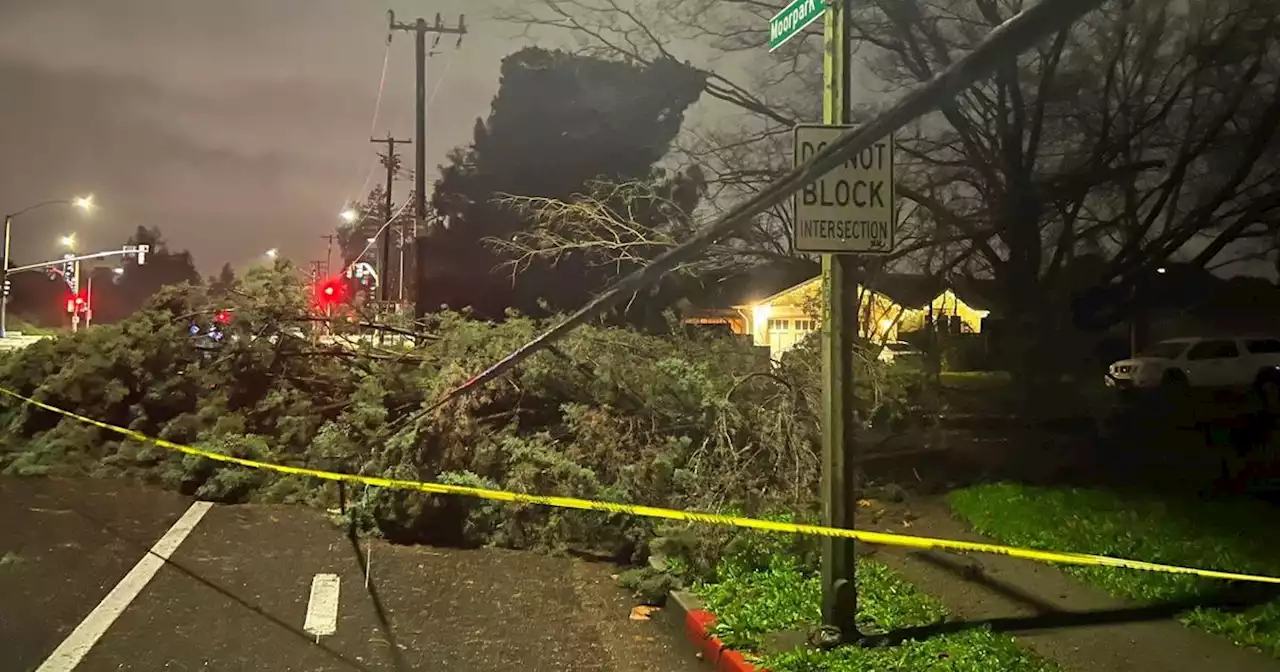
1202,362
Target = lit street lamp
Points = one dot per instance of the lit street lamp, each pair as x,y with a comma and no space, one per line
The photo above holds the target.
68,241
82,203
273,253
350,216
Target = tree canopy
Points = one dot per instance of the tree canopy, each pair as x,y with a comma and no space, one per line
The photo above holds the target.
1144,133
559,123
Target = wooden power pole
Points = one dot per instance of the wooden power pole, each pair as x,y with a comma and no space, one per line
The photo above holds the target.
328,259
420,28
391,161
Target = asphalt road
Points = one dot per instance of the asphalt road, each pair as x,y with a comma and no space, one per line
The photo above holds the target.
237,592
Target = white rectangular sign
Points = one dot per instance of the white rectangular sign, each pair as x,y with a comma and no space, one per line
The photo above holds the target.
850,209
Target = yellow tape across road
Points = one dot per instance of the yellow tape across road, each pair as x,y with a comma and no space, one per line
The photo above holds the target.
908,541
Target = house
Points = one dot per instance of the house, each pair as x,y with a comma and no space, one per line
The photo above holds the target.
889,307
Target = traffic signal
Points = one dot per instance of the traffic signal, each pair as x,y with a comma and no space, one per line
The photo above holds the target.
331,291
77,303
8,288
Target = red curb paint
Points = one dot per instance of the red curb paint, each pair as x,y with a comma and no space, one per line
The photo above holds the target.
732,661
697,624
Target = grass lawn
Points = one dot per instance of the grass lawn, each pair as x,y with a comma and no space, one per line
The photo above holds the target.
1226,535
749,604
976,380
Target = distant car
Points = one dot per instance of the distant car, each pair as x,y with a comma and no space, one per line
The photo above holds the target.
1203,362
897,350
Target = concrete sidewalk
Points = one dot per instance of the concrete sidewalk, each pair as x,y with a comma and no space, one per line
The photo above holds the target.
1079,627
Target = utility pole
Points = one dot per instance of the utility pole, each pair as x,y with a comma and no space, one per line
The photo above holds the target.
420,28
328,259
839,331
391,161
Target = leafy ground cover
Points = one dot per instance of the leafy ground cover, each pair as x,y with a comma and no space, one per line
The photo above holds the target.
1232,535
764,586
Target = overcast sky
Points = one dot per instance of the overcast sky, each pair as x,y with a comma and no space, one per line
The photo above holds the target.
233,125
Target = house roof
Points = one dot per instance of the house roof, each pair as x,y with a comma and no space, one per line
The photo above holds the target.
979,293
911,290
907,289
753,285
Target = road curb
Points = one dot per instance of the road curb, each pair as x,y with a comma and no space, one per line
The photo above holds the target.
697,628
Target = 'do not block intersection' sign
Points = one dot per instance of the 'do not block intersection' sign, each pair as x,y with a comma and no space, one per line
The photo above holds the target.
850,209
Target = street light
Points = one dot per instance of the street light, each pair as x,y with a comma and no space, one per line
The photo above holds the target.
273,253
83,203
350,216
68,241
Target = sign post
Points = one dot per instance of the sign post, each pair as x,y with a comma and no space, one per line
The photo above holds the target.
846,212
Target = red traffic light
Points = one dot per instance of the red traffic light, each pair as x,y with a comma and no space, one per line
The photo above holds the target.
77,304
330,291
222,317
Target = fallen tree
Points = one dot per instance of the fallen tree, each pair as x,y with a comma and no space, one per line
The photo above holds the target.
676,420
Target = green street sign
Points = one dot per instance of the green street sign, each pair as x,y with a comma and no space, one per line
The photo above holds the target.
793,19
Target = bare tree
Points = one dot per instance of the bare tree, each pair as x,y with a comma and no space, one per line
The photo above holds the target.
1144,132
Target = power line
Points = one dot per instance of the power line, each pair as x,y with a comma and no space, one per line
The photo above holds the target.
377,108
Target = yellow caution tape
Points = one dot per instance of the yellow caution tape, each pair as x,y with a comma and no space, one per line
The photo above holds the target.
884,538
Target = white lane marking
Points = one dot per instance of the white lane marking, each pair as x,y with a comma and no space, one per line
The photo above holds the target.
73,649
322,608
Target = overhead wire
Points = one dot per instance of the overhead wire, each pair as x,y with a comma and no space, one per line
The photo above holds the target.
436,89
374,238
373,122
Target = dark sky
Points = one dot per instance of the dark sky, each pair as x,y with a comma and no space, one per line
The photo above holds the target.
233,125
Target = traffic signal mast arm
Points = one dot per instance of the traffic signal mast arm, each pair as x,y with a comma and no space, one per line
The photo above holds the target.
139,250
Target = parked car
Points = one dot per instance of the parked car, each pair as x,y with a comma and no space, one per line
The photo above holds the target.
1247,361
898,351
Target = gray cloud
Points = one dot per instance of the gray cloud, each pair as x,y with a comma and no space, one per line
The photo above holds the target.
234,125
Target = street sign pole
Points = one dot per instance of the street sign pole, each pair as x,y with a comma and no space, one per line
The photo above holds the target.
839,328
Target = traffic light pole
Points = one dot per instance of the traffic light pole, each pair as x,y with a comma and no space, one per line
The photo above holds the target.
123,252
140,251
88,301
4,301
839,331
